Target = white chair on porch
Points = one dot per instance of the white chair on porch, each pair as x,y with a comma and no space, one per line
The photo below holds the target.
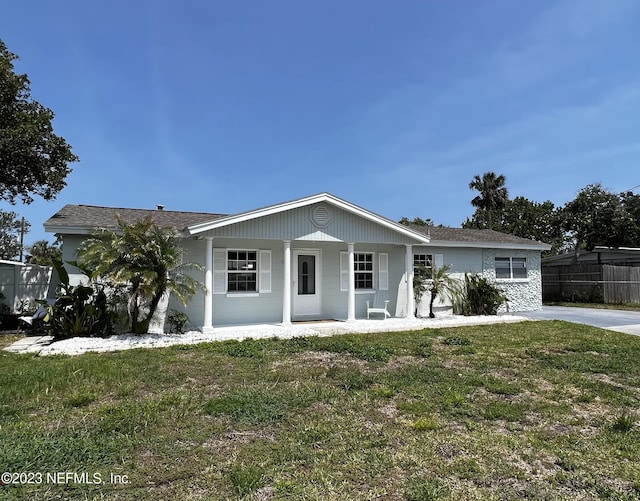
379,304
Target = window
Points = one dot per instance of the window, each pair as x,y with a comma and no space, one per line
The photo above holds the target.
422,265
363,267
511,267
242,271
363,271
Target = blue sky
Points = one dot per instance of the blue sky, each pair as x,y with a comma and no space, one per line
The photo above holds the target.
395,106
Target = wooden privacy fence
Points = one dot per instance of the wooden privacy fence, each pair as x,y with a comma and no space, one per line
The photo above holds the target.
621,284
591,283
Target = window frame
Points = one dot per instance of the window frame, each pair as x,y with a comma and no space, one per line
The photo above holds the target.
220,270
510,260
235,272
369,260
419,268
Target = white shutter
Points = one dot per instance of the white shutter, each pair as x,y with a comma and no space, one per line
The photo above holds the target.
344,271
265,271
383,271
219,271
439,261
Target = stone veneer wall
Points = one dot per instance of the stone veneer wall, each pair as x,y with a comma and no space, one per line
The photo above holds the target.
523,294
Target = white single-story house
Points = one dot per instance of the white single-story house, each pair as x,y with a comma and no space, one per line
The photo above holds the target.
318,257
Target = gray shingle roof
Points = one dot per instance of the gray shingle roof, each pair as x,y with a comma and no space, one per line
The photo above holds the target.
86,218
89,217
466,235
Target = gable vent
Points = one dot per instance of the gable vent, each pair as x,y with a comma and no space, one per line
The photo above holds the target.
320,216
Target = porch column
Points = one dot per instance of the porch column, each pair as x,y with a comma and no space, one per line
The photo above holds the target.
351,295
409,274
208,283
286,289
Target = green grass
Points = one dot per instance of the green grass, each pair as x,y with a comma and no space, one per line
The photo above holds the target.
533,410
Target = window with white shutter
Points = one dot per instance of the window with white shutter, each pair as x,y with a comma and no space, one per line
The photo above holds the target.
241,271
265,271
219,271
383,271
363,271
344,271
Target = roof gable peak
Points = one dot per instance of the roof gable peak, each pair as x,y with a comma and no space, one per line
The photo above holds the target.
303,202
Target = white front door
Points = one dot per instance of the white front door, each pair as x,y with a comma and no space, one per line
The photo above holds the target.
306,283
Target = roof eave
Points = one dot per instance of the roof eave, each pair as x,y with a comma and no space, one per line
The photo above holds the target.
536,246
93,230
69,230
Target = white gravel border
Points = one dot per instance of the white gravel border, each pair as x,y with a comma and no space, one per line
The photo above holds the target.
77,346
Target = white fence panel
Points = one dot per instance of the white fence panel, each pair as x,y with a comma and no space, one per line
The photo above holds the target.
23,283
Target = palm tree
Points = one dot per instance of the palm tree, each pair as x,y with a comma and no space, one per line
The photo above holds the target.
436,281
147,259
44,253
493,194
441,283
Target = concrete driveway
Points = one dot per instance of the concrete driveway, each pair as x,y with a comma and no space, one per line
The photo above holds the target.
614,320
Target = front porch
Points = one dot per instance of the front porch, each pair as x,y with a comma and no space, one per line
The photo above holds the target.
301,280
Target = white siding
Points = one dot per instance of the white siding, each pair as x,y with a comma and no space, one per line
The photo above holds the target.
297,224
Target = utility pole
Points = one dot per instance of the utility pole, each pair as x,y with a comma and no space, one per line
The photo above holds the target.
22,239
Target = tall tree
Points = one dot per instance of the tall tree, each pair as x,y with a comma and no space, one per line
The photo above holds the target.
33,160
44,253
417,221
631,203
147,259
527,219
598,216
12,227
493,194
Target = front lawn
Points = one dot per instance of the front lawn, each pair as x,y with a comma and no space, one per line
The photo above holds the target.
533,410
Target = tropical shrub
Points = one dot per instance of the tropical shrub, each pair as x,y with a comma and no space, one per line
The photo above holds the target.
178,320
478,296
436,281
78,310
147,260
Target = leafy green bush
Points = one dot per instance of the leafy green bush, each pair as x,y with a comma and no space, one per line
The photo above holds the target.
178,320
478,296
78,310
